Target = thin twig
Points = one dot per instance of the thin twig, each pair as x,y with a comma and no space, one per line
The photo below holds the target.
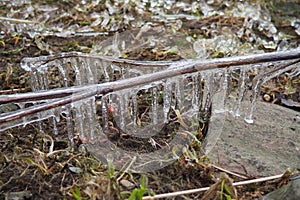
27,89
185,192
41,107
42,95
51,143
18,20
127,169
49,58
229,172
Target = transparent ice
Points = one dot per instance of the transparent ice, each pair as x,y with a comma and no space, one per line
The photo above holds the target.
204,95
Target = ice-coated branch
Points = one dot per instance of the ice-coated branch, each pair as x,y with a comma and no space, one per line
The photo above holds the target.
68,95
180,67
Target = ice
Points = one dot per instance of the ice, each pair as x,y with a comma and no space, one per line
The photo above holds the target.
134,108
241,88
268,71
123,109
218,101
167,99
194,92
104,112
249,119
140,110
197,91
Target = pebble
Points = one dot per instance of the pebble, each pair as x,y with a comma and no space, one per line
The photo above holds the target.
127,184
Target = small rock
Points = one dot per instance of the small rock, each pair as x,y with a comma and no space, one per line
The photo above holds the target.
267,97
127,184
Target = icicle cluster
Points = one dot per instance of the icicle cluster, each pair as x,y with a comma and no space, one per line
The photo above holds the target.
199,96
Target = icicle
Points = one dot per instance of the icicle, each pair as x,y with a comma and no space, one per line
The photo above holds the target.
70,124
218,115
179,91
83,68
220,91
241,90
63,73
154,105
167,99
55,130
134,108
255,94
94,119
79,119
34,80
92,67
123,101
207,92
196,93
90,114
116,68
89,118
104,112
39,81
75,67
104,69
255,84
262,77
120,101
